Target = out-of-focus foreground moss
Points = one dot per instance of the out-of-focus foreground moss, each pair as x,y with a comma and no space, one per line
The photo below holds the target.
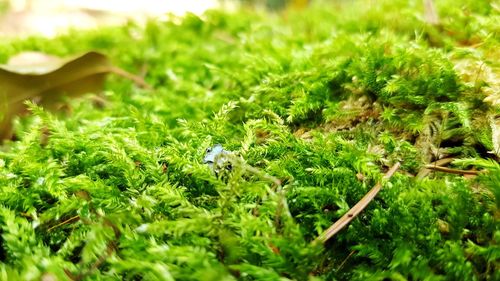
325,99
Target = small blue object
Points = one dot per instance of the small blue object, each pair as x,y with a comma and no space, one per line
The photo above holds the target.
217,158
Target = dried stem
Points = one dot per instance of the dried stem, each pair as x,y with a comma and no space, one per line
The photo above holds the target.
70,220
354,211
441,162
282,204
345,260
134,78
452,171
111,247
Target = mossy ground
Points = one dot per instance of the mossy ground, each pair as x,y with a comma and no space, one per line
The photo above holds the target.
324,99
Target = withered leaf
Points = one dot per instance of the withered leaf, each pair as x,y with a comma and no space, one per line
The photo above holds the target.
46,79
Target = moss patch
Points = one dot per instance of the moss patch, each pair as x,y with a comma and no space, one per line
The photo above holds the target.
324,99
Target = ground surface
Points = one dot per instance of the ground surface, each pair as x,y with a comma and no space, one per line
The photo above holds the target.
324,99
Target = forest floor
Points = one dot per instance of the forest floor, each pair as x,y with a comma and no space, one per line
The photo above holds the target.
311,107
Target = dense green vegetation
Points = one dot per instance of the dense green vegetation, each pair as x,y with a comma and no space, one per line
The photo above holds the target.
324,99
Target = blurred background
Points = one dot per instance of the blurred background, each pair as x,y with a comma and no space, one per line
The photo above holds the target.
48,17
19,18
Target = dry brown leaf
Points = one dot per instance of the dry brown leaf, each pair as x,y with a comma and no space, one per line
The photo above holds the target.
46,79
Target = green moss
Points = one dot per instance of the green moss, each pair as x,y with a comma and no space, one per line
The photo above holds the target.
324,99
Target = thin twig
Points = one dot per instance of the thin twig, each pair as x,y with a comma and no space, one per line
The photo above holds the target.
345,260
354,211
263,175
75,218
253,170
441,162
134,78
282,204
111,247
452,171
